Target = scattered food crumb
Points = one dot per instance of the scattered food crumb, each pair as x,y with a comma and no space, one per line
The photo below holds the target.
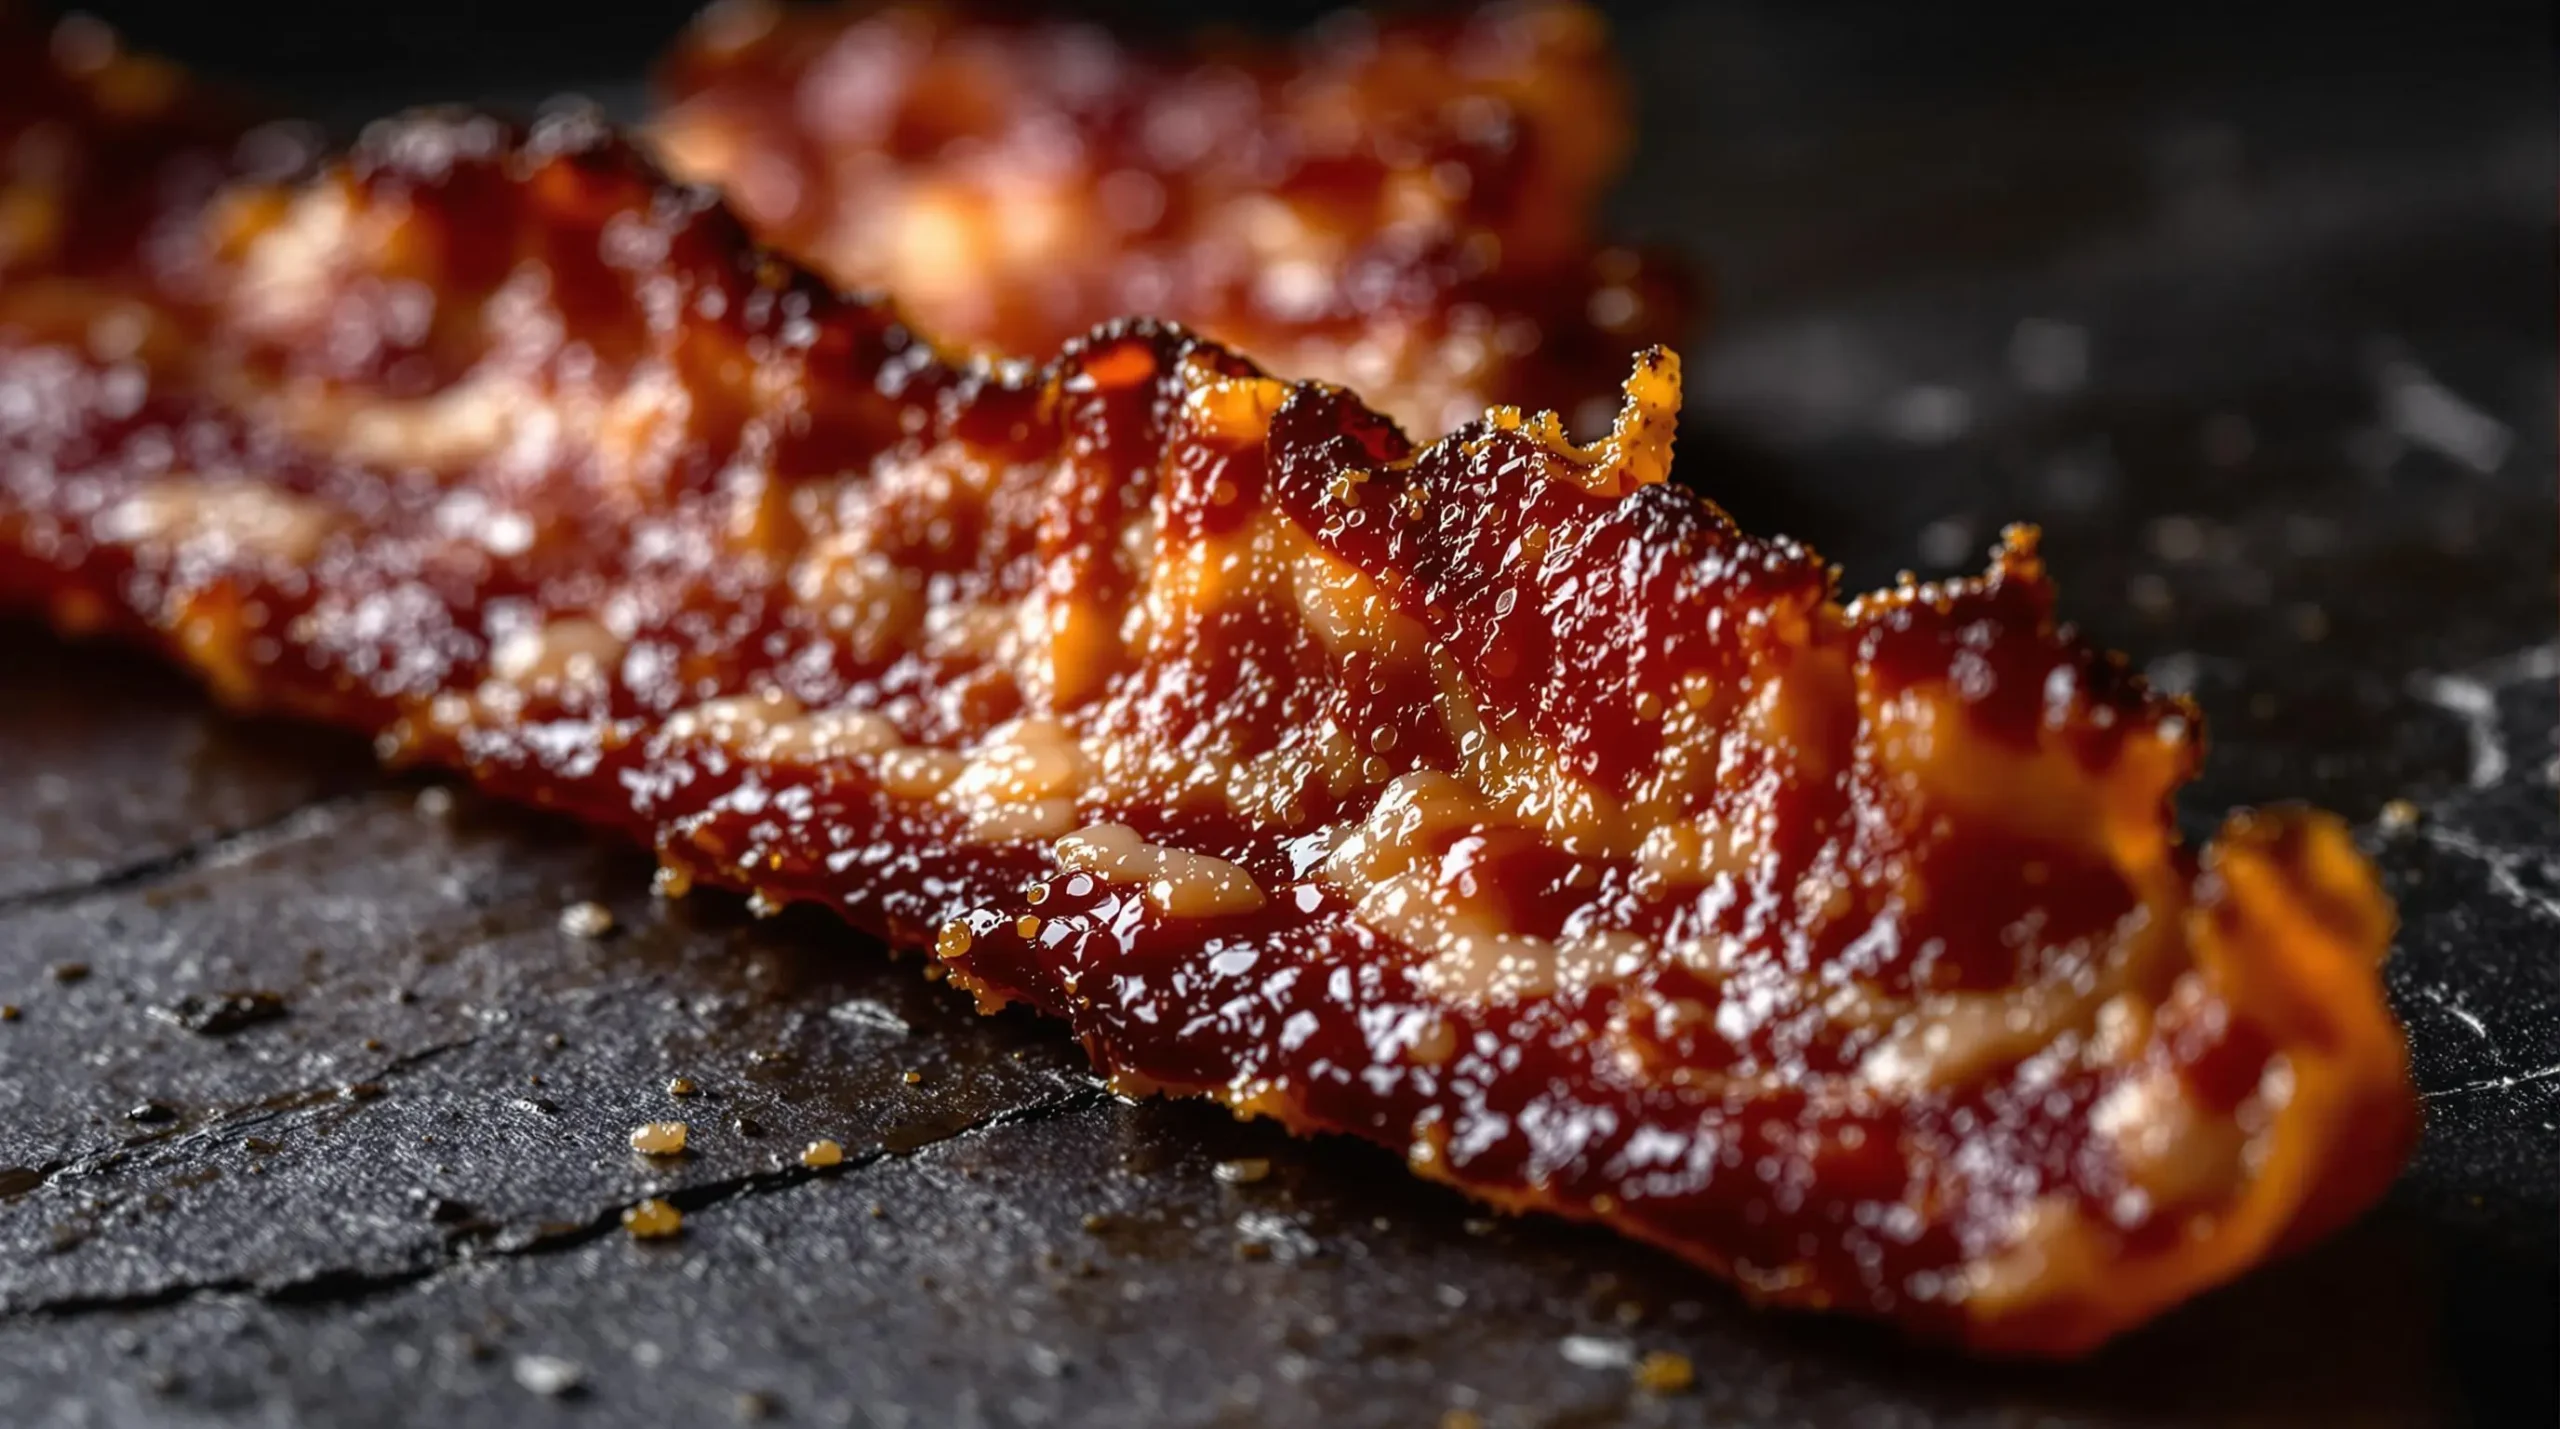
1461,1419
681,1087
1480,1225
360,1091
1665,1372
1596,1352
1252,1250
879,1212
2399,816
658,1138
1244,1171
222,1013
586,920
69,972
912,1078
819,1155
1096,1221
435,802
549,1374
652,1219
753,1406
8,1012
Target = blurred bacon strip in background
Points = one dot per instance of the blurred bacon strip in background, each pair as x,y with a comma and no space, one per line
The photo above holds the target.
1401,205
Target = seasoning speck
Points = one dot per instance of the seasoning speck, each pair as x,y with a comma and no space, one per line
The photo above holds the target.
8,1012
819,1155
151,1113
586,920
1244,1171
69,972
681,1087
2399,816
652,1219
752,1407
549,1374
911,1078
1665,1372
659,1138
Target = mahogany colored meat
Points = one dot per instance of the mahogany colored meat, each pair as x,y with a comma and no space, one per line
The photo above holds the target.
1491,800
1404,207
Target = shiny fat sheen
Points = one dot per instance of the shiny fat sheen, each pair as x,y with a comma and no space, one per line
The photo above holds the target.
1495,800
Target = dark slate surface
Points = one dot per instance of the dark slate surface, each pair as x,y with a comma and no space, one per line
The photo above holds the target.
2258,323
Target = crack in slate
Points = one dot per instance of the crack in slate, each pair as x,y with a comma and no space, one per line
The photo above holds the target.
2493,1084
219,1124
2505,867
211,851
2471,696
342,1286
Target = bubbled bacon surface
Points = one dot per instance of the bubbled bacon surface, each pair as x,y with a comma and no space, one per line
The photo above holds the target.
1494,801
1404,206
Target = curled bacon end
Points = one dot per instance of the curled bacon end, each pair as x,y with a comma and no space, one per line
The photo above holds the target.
1403,207
1493,800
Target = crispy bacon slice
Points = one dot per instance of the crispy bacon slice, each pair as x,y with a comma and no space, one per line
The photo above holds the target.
1404,207
1494,800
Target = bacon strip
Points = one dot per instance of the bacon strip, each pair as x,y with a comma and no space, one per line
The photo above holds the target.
1402,206
1494,800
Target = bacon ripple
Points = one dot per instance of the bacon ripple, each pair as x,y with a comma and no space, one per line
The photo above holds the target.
1401,206
1493,800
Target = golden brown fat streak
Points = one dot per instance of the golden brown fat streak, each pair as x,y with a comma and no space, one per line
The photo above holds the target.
1494,801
